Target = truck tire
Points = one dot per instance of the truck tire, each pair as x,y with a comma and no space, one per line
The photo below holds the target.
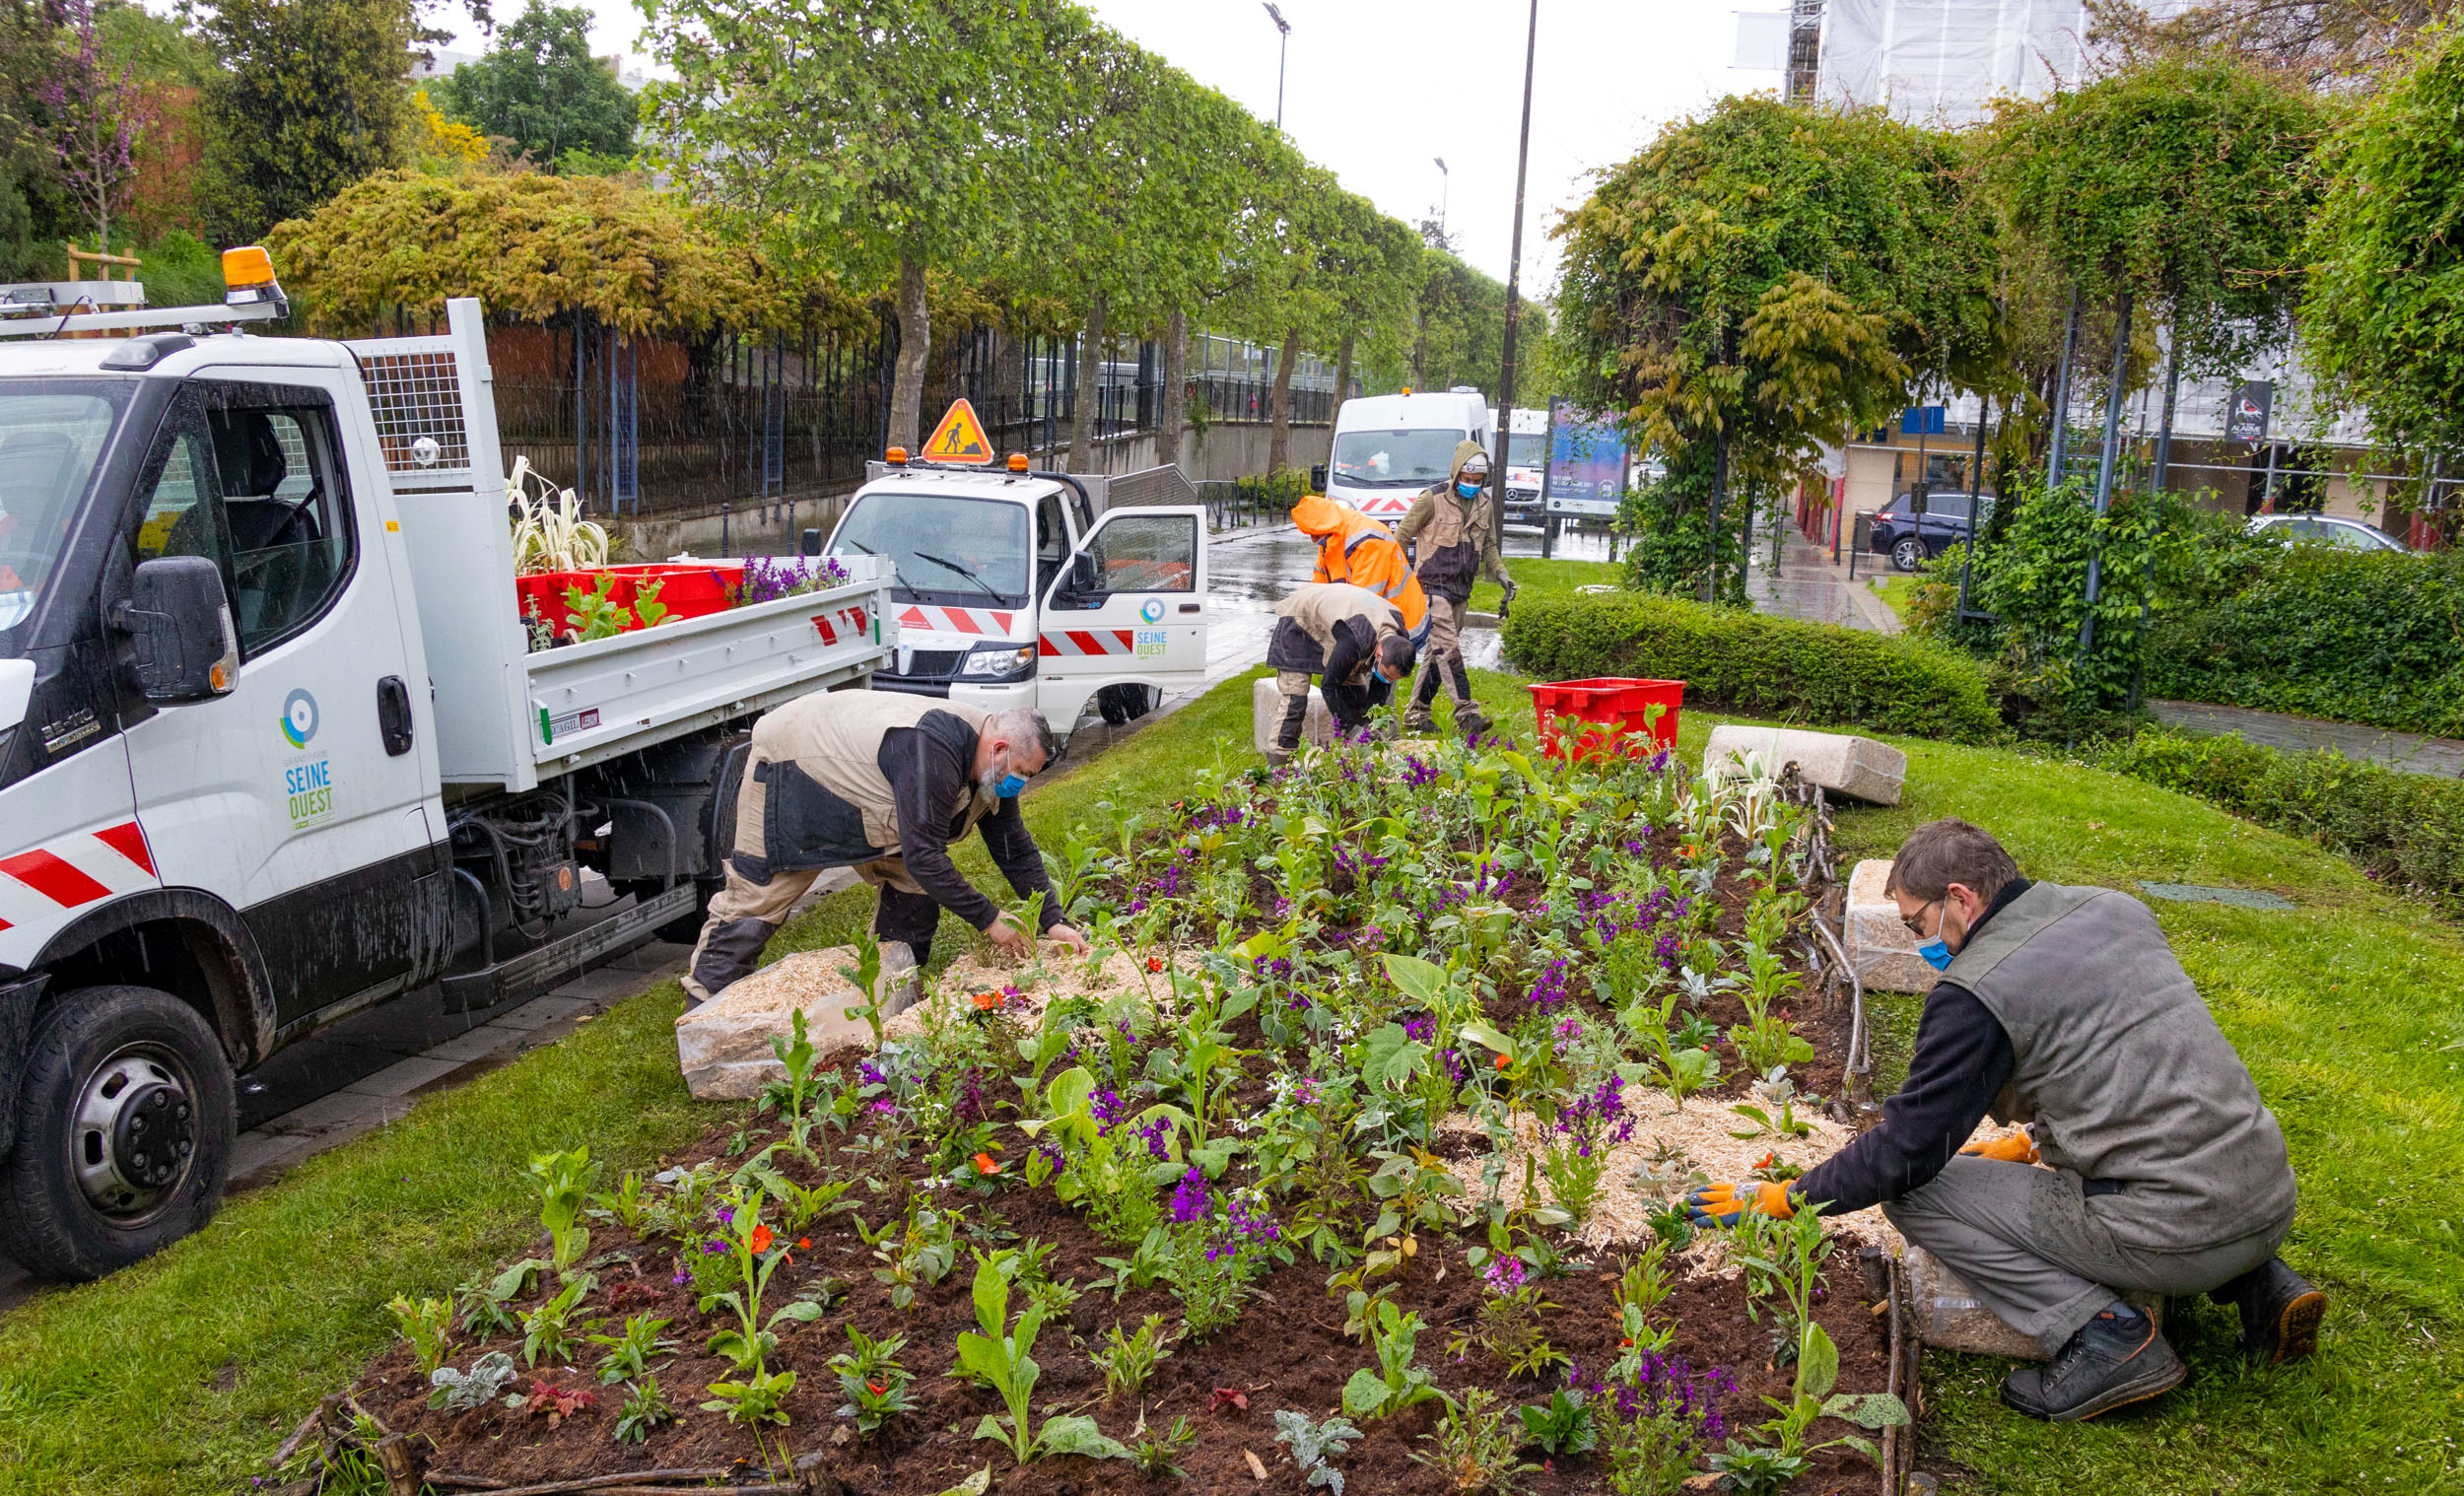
686,928
1125,704
116,1076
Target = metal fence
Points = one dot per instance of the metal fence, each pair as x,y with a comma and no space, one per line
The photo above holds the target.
664,425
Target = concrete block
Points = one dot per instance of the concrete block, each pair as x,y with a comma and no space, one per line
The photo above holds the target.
1949,1315
1879,947
1265,705
723,1046
1839,761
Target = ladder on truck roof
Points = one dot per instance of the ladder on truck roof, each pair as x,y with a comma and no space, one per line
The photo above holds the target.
37,317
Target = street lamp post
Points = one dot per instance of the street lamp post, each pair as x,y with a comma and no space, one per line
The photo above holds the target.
1514,275
1445,192
1281,49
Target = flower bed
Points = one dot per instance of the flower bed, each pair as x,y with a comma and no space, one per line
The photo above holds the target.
1349,1160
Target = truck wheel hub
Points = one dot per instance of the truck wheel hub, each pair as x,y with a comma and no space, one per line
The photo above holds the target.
135,1133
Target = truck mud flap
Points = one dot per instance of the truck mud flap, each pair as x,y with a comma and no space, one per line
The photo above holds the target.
559,959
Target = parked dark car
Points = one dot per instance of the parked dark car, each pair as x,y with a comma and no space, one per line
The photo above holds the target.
1910,539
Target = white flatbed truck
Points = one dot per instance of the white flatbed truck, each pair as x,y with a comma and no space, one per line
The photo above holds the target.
273,746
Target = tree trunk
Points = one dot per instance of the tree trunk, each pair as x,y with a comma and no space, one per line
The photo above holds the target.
1344,368
1084,426
1176,382
914,344
1279,438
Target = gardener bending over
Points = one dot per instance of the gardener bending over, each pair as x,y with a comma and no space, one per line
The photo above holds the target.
2164,1174
1351,638
882,783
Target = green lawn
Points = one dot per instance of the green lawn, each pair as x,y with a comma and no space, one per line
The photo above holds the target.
1898,593
183,1373
1533,574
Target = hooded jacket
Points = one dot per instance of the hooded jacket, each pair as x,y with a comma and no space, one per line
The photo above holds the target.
1354,548
1460,543
1331,629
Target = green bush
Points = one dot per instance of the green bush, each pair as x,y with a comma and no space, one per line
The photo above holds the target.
2371,637
1772,667
2403,828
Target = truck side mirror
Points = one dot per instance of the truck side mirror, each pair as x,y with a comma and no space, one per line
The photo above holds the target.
1084,579
1317,478
187,648
809,543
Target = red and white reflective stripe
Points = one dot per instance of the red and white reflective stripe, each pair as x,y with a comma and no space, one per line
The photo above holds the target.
1086,642
1380,507
993,621
75,870
841,623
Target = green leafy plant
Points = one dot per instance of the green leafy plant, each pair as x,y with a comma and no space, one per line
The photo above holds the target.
629,1354
1155,1455
1561,1426
429,1327
1788,1454
564,1190
486,1302
926,1251
594,614
1510,1327
644,1409
872,1380
1001,1357
1394,1384
753,1402
757,1251
627,1206
1472,1448
458,1391
1315,1446
866,975
549,1330
645,604
1127,1361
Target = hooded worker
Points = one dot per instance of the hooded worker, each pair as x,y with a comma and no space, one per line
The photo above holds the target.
1351,638
2150,1163
881,784
1457,529
1354,548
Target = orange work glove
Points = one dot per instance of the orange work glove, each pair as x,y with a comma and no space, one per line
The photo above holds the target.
2018,1149
1722,1204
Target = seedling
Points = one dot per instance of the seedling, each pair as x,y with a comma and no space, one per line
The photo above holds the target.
1127,1361
1473,1446
1001,1357
429,1327
629,1354
458,1391
1161,1457
563,1186
548,1331
875,1382
1316,1445
644,1409
1395,1384
1562,1425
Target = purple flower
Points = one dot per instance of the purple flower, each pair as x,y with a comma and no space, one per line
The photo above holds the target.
1188,1197
1504,1274
681,1276
1107,1108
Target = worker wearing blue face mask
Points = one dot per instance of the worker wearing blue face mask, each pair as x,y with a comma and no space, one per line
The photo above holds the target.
1454,527
1353,640
880,784
2150,1166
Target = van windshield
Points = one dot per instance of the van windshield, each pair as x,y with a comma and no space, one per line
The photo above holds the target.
1394,458
946,548
51,433
1527,449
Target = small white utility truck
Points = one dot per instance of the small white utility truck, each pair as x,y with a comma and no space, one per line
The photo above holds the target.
1388,447
273,746
1065,593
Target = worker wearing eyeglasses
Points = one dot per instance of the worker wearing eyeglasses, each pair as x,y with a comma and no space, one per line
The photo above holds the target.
2149,1163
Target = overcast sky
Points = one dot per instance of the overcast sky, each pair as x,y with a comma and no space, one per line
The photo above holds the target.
1377,90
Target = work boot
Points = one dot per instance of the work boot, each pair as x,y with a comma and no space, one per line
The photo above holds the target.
1417,722
1472,722
2280,1312
2112,1361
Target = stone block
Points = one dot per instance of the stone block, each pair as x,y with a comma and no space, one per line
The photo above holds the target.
1839,761
1265,709
1949,1315
1879,947
723,1044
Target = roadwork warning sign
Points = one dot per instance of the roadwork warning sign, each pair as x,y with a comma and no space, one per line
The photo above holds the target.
959,437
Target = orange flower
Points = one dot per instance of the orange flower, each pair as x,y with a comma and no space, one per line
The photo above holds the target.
1502,1062
985,1164
1154,963
1767,1161
803,1243
879,1389
988,1000
759,1240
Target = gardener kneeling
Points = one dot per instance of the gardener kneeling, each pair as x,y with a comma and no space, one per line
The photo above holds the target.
881,784
2064,1007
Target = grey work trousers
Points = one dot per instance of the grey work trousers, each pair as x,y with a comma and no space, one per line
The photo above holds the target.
1441,664
2026,1241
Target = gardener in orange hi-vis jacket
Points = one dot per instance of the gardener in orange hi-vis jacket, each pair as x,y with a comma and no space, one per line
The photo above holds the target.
1354,548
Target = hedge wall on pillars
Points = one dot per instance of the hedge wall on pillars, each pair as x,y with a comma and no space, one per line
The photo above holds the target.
1770,667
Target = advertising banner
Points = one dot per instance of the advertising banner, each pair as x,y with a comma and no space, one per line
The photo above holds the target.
1587,462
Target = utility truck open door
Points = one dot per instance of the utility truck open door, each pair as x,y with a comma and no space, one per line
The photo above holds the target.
1129,606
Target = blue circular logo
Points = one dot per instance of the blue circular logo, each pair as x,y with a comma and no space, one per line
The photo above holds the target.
1153,611
299,718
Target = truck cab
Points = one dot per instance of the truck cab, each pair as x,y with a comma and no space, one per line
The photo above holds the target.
1527,462
1389,447
1022,588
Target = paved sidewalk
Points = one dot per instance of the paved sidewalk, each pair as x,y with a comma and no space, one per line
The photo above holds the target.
2407,750
1808,586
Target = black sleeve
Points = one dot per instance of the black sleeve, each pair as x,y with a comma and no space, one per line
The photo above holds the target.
925,776
1020,860
1963,1060
1348,652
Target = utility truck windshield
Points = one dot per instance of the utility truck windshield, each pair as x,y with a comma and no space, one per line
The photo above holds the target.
1394,458
51,433
946,548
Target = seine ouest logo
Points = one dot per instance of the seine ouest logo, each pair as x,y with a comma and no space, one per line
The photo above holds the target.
299,718
1153,611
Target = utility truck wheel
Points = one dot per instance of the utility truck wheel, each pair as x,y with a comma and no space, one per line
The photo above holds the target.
126,1123
1126,703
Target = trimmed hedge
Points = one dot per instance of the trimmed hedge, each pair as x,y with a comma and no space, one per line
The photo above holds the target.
2402,829
1768,667
2354,637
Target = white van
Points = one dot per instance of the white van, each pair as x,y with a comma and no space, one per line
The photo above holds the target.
1527,462
1388,447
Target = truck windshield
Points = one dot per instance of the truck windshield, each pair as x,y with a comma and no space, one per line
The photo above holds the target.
944,546
1394,458
50,435
1527,449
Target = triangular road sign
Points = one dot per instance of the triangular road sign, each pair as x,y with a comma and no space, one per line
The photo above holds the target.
959,437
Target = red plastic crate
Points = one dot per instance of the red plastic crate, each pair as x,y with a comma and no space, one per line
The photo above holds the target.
688,589
1617,709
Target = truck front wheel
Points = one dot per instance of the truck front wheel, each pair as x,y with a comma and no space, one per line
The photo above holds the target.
1125,704
126,1123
